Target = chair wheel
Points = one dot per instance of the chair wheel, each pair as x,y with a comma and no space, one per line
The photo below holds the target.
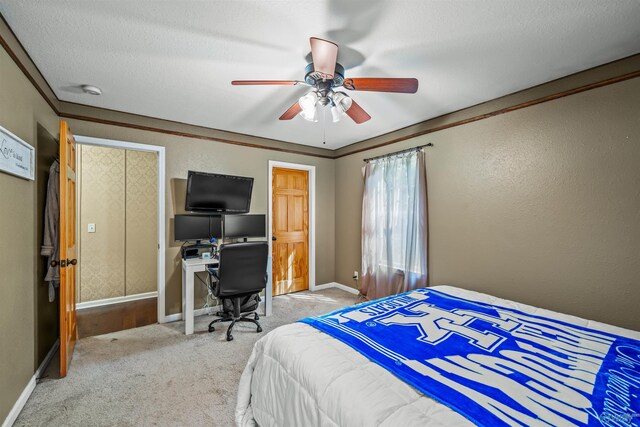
256,317
259,329
229,337
211,329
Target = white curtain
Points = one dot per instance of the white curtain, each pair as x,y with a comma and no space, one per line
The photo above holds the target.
394,225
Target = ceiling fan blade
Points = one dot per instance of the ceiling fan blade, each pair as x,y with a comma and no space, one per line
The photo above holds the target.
293,111
264,82
357,113
325,55
382,84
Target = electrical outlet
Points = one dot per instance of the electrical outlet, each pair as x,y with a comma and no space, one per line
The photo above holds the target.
91,228
355,275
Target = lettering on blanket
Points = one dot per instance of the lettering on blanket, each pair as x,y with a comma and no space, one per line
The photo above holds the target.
519,368
623,385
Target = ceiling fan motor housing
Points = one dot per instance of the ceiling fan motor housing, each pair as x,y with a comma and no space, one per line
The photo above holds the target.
312,77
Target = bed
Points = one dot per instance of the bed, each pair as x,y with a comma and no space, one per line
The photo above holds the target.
298,375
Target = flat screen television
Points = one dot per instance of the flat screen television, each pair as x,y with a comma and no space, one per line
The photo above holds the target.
244,226
212,192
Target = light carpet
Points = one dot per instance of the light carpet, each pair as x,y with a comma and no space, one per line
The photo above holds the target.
157,376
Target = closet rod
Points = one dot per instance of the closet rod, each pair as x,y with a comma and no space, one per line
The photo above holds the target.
395,153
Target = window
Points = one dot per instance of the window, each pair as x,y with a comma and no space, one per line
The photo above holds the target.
394,219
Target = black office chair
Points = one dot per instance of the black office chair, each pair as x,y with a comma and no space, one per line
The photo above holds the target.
241,275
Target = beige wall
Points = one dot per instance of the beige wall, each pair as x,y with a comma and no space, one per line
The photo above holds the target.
540,205
184,153
21,110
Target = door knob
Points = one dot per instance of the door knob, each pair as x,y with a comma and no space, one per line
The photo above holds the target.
273,238
54,263
72,262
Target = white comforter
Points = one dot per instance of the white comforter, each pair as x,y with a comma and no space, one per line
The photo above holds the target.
299,376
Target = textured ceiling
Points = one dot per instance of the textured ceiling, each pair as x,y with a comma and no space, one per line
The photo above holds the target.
175,59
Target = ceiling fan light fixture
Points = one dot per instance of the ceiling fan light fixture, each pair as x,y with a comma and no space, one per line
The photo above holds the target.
310,115
308,102
336,114
342,101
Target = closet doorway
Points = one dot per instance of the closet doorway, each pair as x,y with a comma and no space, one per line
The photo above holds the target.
120,235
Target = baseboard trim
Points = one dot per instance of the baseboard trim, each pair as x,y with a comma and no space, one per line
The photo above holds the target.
31,385
199,312
22,400
208,310
335,285
171,318
116,300
47,359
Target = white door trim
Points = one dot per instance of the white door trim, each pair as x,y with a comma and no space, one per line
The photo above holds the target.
312,214
88,140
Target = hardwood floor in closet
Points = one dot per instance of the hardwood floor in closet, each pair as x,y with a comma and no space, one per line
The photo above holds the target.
117,317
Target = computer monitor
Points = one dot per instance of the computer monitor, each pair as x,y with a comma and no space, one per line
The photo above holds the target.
215,226
192,227
244,226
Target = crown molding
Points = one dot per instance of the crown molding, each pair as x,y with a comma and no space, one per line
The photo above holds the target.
593,78
18,53
151,124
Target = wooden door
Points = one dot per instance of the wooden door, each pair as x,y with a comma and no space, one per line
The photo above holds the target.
68,252
290,223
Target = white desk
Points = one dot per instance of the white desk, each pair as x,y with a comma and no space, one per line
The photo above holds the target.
194,265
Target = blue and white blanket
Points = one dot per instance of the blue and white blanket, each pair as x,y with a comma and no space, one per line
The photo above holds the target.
496,365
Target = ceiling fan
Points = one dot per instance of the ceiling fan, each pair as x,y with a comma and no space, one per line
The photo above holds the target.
324,75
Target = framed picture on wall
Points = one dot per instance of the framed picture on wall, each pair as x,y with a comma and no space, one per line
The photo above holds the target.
16,156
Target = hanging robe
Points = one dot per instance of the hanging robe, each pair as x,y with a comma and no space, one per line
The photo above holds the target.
51,240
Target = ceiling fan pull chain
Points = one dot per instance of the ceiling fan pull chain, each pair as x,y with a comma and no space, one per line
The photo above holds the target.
324,126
